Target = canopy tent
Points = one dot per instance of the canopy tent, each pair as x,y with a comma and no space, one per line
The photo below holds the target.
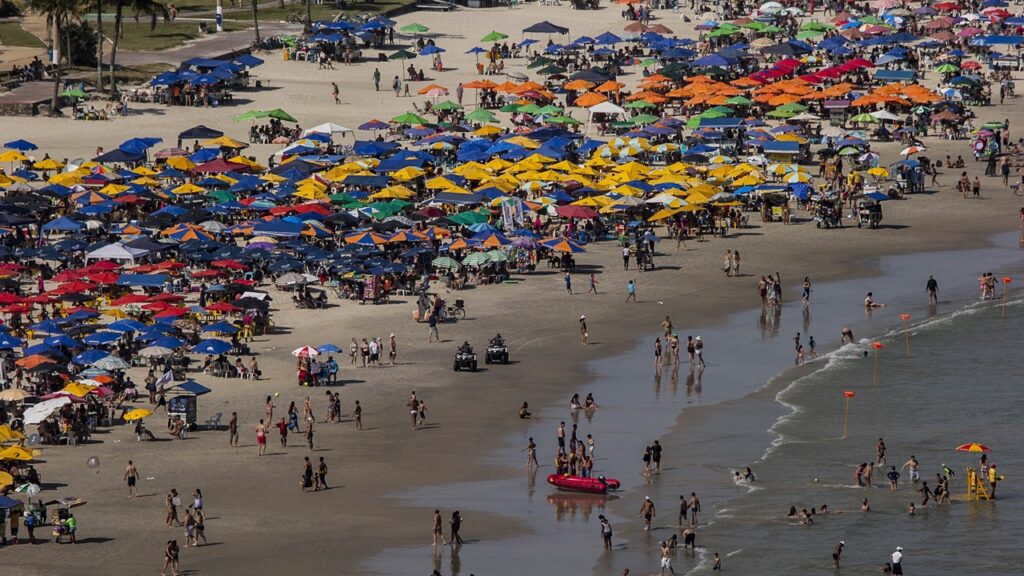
606,107
118,252
545,27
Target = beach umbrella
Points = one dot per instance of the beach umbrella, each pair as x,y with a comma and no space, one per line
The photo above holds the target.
75,93
14,395
562,245
445,262
281,115
415,28
494,37
911,150
481,115
973,447
211,346
305,352
17,452
409,118
476,259
137,414
110,363
155,352
31,490
22,145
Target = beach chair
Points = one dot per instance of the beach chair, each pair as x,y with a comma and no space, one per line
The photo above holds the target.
213,423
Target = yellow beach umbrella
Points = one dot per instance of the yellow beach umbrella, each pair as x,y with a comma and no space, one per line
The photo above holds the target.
407,173
48,164
77,389
12,156
181,163
188,188
137,414
225,142
17,453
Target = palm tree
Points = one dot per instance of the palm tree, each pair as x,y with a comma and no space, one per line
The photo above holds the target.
58,13
256,19
151,7
99,45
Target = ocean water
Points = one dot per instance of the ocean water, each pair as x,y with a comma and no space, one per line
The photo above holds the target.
750,407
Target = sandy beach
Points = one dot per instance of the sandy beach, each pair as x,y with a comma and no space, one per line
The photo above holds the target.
259,520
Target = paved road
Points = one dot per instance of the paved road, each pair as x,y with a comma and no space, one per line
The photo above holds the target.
209,46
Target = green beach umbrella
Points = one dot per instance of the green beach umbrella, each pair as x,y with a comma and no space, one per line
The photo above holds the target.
793,107
649,62
281,115
222,196
481,115
75,93
643,119
530,109
447,105
497,255
739,101
639,104
770,30
542,61
402,55
494,37
409,118
415,28
445,262
808,34
251,115
551,69
849,151
474,259
471,217
865,118
755,25
563,120
550,109
817,26
781,113
509,108
947,68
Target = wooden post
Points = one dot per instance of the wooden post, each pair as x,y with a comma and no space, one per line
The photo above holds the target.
906,332
846,416
876,346
1006,288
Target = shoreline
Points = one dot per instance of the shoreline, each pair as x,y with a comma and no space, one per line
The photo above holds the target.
687,419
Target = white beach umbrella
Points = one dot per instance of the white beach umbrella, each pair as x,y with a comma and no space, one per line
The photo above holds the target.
41,411
305,352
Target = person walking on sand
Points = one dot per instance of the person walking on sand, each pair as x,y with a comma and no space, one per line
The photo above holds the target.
727,263
698,349
631,290
531,454
233,430
357,414
432,333
606,532
568,283
897,561
171,502
171,552
807,290
438,530
396,85
131,476
376,79
334,92
456,524
647,512
593,285
837,553
413,405
261,438
735,263
584,335
625,257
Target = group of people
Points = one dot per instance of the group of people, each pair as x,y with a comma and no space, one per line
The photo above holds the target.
370,350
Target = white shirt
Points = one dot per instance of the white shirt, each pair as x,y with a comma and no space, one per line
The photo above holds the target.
897,557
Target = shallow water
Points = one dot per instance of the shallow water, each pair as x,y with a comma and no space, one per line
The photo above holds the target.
717,420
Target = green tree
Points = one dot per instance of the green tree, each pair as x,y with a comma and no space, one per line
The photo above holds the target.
58,14
150,7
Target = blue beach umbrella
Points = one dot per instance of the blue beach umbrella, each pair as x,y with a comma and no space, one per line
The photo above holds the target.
211,347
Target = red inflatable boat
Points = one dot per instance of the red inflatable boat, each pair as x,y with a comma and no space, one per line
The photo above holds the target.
599,485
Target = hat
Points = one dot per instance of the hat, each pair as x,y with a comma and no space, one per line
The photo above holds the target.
899,548
647,497
582,317
698,338
843,542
